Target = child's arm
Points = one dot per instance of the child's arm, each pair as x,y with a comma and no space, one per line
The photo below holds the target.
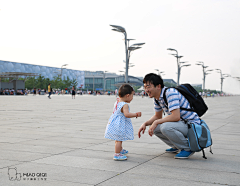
127,114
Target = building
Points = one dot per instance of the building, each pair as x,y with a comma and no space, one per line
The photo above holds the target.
88,80
47,72
95,80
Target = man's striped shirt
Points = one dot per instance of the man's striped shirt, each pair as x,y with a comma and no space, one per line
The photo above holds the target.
176,101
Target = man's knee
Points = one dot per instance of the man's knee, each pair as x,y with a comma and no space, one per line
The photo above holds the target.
157,130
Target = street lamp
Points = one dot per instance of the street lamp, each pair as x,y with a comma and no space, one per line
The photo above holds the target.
122,30
160,73
222,77
178,63
127,48
62,69
180,67
104,84
204,72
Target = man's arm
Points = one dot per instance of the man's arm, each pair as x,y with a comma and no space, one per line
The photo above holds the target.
174,117
158,115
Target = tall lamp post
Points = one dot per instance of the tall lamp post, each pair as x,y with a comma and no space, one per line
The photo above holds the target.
180,67
160,73
62,69
178,63
204,72
222,77
127,48
104,83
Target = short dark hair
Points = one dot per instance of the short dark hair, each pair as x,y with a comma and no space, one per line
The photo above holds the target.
153,79
124,90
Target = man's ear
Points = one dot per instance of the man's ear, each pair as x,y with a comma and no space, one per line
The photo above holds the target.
159,86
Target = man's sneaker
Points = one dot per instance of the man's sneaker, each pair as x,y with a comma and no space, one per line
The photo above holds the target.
124,152
172,150
183,154
119,157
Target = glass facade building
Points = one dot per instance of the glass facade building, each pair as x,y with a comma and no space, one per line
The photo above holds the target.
47,72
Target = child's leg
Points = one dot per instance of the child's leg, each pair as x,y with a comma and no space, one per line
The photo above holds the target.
118,146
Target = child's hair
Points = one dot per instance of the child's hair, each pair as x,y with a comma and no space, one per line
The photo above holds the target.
124,90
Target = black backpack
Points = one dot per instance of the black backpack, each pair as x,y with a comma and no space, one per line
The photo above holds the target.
195,100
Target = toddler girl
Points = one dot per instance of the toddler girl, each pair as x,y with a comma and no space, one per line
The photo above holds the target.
119,127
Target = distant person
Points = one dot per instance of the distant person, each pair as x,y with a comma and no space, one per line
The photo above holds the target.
49,91
119,127
116,92
73,92
34,91
142,93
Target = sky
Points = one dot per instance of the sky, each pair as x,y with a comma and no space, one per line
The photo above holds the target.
78,33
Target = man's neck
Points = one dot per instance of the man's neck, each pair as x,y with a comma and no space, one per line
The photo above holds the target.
158,94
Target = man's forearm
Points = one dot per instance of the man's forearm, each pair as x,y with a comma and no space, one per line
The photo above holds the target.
151,120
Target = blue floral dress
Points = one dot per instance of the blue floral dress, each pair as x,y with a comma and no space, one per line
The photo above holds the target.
119,127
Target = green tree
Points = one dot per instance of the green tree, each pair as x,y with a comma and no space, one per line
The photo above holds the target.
30,83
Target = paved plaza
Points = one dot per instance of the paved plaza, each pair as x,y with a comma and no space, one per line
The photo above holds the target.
60,141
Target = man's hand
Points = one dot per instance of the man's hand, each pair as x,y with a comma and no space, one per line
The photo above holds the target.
152,128
141,129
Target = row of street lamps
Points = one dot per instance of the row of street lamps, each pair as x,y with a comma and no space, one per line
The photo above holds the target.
128,49
205,71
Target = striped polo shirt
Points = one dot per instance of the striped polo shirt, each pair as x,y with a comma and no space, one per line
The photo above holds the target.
176,100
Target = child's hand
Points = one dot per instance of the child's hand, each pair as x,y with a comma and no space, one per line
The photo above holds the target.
139,114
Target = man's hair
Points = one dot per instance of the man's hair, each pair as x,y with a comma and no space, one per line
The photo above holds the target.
153,79
124,90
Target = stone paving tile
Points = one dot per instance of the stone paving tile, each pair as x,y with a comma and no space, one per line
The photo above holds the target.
58,174
132,179
189,174
67,141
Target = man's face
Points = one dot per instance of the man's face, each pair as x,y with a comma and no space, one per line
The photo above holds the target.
151,90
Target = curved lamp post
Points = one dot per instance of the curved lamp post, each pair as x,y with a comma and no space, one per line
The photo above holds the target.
62,69
128,49
160,73
104,81
178,63
222,77
204,72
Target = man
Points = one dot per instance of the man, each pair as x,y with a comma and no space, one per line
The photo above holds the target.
49,91
172,130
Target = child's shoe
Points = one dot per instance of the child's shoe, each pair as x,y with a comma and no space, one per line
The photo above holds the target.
119,157
124,152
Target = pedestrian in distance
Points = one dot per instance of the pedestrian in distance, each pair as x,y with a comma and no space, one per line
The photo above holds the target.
34,91
49,90
119,127
73,92
171,129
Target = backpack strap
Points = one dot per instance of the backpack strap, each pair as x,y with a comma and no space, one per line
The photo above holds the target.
159,105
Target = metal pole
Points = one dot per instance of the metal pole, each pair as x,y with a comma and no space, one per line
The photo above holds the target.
178,68
203,77
104,82
93,82
179,71
126,47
